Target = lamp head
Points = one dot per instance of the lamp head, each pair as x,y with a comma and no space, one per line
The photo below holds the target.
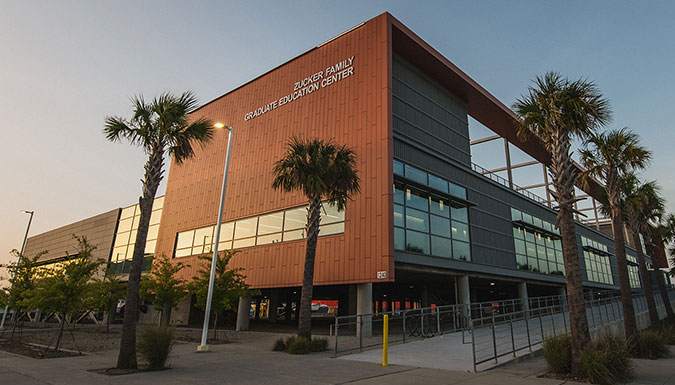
219,125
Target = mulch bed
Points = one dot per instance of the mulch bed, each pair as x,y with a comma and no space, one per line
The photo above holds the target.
33,351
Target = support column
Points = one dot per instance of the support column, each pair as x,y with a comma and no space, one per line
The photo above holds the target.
562,291
507,154
425,297
364,307
243,313
274,304
464,295
522,294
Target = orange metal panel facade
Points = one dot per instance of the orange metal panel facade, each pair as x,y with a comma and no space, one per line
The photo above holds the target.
355,111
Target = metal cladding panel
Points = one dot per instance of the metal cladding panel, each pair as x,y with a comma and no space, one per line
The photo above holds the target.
99,230
354,111
425,112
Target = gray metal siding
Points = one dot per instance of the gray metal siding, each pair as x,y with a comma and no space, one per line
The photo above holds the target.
425,113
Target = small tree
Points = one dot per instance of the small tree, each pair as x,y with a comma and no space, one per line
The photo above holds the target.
162,288
65,290
228,286
106,293
24,275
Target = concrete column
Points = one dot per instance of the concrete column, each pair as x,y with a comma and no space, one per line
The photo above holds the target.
364,306
562,290
243,313
425,297
464,294
522,294
274,304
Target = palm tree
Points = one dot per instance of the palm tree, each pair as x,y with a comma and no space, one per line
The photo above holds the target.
321,170
161,127
642,204
555,111
665,230
609,157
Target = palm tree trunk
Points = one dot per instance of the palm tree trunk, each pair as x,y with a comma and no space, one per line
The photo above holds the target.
575,290
152,178
646,280
313,220
622,265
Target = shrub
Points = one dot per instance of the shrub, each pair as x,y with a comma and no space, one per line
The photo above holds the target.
155,344
607,360
279,345
649,345
595,367
558,353
668,333
298,345
318,344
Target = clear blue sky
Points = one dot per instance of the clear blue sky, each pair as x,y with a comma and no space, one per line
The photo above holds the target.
66,65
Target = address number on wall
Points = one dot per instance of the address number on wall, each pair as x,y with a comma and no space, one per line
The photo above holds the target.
381,275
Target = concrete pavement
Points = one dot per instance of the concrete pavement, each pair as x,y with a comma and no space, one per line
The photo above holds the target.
252,362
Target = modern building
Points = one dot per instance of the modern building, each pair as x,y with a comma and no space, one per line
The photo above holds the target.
428,227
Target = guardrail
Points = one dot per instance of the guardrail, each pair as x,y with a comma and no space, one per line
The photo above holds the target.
493,176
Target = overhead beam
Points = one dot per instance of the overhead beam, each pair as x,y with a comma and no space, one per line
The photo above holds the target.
483,140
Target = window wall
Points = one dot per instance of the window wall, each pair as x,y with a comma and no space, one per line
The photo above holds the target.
633,272
597,261
427,220
125,238
537,244
279,226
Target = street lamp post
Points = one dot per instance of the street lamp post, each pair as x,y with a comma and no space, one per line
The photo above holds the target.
23,245
203,347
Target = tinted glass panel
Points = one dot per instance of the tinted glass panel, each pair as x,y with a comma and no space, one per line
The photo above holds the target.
226,231
266,239
295,219
330,214
461,250
398,215
185,239
458,191
271,223
238,243
417,242
333,228
417,199
441,247
460,213
245,228
398,168
418,176
399,239
417,220
460,231
440,226
438,183
293,235
440,207
399,193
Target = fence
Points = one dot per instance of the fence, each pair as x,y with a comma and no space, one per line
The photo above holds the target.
494,329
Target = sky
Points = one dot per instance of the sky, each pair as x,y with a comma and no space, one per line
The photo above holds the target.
66,65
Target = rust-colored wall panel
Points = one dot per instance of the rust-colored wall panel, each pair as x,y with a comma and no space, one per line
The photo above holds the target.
354,111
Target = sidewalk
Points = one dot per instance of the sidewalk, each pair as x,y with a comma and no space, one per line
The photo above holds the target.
254,363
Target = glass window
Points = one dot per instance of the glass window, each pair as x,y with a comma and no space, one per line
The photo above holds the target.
128,212
124,225
333,228
183,252
438,183
417,199
458,191
121,239
460,213
461,250
155,217
153,231
245,228
518,233
398,168
266,239
330,214
150,246
417,242
441,247
440,226
399,194
271,223
158,204
119,253
516,215
520,246
538,223
293,235
203,236
415,174
226,231
225,245
529,235
527,218
417,220
398,215
440,207
521,261
460,231
239,243
399,239
295,219
531,249
185,239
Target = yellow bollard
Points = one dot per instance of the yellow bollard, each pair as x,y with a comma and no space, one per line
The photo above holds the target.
385,341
